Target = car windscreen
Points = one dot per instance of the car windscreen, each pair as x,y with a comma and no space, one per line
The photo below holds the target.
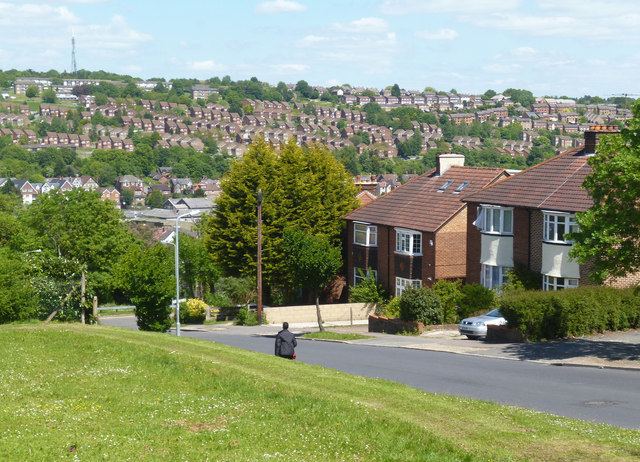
494,313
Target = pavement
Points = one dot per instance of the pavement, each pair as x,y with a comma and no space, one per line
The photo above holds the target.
591,393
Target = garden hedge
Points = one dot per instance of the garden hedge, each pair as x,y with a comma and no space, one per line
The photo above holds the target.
571,313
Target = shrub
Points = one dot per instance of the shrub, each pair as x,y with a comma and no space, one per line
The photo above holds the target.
522,278
368,291
450,296
193,311
391,309
568,313
421,304
246,317
475,297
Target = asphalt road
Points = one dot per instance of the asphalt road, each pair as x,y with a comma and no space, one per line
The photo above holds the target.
600,395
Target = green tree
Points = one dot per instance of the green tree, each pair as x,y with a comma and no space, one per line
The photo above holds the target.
155,199
126,197
608,231
524,97
18,300
488,94
395,90
78,226
412,147
49,96
314,262
450,295
32,91
145,275
198,270
303,188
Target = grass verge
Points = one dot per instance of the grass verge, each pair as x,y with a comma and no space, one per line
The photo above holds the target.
327,335
73,392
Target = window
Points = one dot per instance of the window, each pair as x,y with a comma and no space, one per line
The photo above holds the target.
553,283
364,234
492,277
495,220
360,275
402,283
445,185
461,187
408,242
558,225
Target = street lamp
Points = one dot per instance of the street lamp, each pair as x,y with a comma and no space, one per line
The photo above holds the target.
259,276
177,249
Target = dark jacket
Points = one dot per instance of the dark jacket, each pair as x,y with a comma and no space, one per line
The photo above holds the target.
285,344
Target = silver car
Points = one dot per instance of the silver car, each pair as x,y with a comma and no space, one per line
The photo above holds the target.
476,327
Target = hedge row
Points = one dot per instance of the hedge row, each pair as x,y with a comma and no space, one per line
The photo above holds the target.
571,313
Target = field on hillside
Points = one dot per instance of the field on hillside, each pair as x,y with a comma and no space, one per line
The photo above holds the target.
72,392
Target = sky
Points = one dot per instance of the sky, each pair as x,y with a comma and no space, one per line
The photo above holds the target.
561,47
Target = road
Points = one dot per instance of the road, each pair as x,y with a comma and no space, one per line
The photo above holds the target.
599,395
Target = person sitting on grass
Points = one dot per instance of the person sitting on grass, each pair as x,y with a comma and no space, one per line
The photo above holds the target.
286,343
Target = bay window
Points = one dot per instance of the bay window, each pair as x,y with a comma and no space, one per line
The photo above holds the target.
558,225
403,283
495,220
492,277
553,283
359,275
408,242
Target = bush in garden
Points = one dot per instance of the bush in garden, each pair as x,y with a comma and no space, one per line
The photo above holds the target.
246,317
421,304
570,313
392,308
475,298
193,311
450,295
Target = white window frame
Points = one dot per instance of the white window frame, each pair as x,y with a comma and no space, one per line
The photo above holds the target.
370,234
357,279
493,219
408,242
403,283
552,223
554,283
493,276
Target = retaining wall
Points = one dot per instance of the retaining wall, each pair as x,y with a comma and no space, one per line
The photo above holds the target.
330,313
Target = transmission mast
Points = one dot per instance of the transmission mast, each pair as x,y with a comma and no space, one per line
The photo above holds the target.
74,65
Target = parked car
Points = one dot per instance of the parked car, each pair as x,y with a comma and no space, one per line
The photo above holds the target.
476,327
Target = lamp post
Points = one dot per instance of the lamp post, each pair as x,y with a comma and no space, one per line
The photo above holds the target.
259,276
177,263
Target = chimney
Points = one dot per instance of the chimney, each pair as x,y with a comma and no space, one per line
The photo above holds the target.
592,135
446,161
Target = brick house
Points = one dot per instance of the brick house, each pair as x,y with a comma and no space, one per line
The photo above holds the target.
416,234
524,221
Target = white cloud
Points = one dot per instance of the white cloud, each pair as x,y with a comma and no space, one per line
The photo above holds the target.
206,65
440,34
114,35
364,25
290,68
308,40
280,6
31,14
524,51
446,6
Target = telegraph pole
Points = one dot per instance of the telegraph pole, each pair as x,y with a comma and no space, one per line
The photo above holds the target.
259,301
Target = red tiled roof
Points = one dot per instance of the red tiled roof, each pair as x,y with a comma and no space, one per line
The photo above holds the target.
555,184
418,204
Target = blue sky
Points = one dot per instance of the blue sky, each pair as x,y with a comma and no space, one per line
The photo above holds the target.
562,47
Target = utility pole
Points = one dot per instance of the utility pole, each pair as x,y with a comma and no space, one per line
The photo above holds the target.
259,301
83,288
177,263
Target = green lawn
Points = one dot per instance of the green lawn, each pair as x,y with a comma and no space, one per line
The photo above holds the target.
327,335
73,392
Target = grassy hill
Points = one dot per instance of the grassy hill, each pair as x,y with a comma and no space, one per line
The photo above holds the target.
71,392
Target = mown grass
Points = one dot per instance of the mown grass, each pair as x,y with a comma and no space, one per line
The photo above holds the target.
73,392
327,335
